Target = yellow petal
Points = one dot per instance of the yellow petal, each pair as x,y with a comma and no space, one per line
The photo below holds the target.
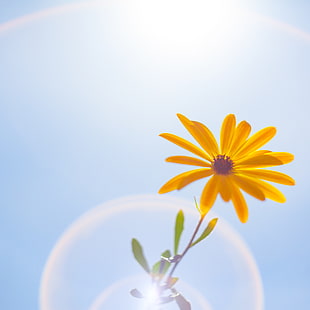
187,160
269,190
183,179
241,134
240,204
209,137
268,175
227,132
191,128
253,154
225,187
265,160
209,194
247,185
259,139
194,177
185,145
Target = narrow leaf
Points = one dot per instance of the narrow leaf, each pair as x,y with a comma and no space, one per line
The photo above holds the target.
161,267
207,231
164,263
197,206
136,293
138,254
166,254
182,303
156,267
178,229
172,281
165,299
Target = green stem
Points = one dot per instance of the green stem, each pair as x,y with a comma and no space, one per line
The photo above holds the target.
187,247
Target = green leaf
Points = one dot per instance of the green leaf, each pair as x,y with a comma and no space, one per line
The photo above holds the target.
197,206
206,232
156,267
138,254
161,267
166,254
178,229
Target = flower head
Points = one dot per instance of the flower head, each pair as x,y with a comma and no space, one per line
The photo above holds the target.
234,166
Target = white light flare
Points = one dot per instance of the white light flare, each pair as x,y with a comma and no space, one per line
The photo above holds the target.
151,297
185,27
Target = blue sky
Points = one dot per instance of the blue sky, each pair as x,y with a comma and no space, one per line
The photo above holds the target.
85,92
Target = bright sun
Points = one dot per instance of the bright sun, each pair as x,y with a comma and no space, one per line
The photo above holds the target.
190,27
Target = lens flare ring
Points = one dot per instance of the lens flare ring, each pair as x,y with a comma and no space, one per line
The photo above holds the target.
80,247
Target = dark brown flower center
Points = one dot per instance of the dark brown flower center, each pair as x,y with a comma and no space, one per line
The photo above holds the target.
222,164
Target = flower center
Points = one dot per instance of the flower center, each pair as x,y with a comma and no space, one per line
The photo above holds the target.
222,164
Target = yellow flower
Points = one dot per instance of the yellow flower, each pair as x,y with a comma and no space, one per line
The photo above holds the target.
233,166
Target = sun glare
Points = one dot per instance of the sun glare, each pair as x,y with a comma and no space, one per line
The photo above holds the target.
151,296
184,26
